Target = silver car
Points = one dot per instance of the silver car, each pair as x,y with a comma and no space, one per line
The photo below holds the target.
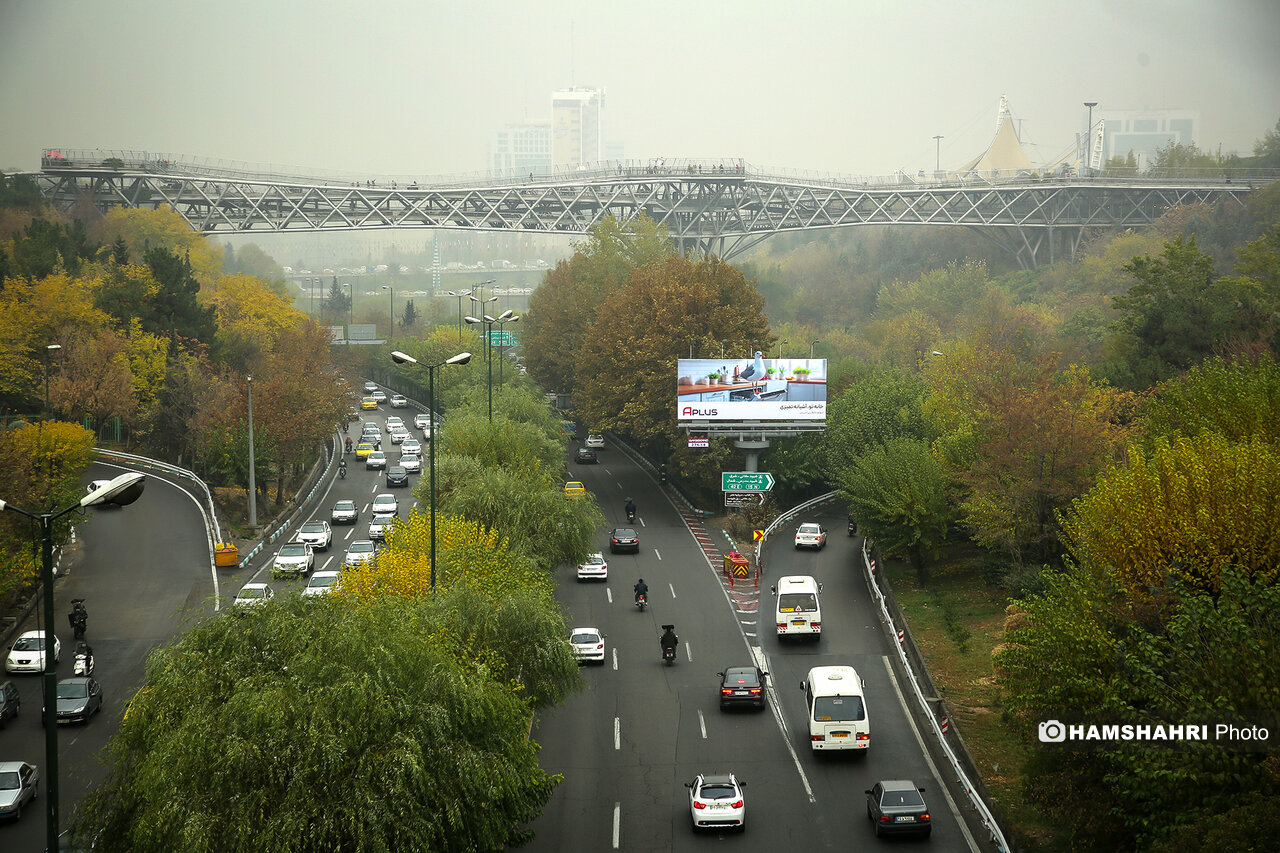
411,462
18,784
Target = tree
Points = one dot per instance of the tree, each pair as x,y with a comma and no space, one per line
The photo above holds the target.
47,247
251,318
338,303
1236,399
883,405
177,309
96,380
410,316
143,229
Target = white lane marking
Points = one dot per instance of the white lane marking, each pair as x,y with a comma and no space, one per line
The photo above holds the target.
617,733
702,724
327,561
688,652
933,768
746,621
615,658
758,655
617,823
673,590
609,594
657,553
642,524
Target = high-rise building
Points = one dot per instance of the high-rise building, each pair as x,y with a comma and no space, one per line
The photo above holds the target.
1144,132
521,149
577,126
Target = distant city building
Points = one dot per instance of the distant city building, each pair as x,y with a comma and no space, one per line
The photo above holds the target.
577,126
614,150
1144,132
521,149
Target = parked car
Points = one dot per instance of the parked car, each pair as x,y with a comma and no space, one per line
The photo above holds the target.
593,568
78,699
398,401
293,558
586,456
742,685
588,644
27,652
397,477
624,539
317,534
254,595
344,512
895,806
716,801
811,536
19,784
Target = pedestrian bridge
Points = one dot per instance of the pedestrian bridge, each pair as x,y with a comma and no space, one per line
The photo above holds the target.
714,206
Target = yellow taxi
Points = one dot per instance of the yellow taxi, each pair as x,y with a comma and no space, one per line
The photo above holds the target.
364,448
368,403
573,488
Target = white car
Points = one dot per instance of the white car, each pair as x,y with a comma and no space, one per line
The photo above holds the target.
411,462
595,441
588,644
422,420
393,423
385,504
411,445
398,401
360,551
399,435
27,653
376,459
593,568
715,800
293,558
811,536
317,534
254,595
379,395
344,512
378,526
321,583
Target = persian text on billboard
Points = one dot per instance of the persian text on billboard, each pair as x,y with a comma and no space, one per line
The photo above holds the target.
751,389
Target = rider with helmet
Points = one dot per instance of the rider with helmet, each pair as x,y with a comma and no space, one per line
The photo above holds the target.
641,588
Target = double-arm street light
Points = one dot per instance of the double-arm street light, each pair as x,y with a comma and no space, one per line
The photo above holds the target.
48,352
1088,141
489,323
392,330
514,318
121,491
461,294
461,358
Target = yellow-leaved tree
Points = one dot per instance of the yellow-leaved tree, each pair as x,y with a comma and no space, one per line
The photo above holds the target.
163,228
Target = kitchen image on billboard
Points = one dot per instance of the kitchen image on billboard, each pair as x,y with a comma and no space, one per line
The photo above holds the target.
751,389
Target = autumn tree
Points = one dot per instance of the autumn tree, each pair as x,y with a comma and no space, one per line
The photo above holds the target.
1236,399
96,380
251,317
144,229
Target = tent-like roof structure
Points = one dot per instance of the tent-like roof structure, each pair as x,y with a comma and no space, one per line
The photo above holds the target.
1005,151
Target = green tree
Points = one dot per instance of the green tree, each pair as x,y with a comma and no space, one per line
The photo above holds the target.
1236,399
46,246
177,310
338,303
882,405
410,316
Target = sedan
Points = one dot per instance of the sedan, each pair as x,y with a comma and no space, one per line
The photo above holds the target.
374,460
895,806
364,448
422,420
359,552
410,462
586,456
742,685
595,441
624,539
344,512
394,422
27,653
378,527
397,477
399,435
574,489
367,403
19,782
370,387
293,558
317,534
254,595
386,504
379,395
716,801
321,583
588,644
594,568
78,699
811,536
411,445
398,401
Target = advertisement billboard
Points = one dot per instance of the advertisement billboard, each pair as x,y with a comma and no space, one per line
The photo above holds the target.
751,389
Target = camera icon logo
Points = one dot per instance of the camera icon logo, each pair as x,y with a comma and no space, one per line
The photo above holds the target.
1051,731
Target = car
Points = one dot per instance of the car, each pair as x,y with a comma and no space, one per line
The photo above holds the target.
395,422
399,401
78,699
360,551
317,534
895,806
624,539
811,536
399,435
574,489
410,462
27,652
411,445
344,512
378,526
588,644
363,449
293,558
397,477
595,441
379,395
716,801
254,595
321,583
593,568
385,504
367,403
375,459
371,426
19,784
422,420
742,685
10,702
370,387
586,456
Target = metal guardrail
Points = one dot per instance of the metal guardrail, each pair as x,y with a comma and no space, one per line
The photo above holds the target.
211,517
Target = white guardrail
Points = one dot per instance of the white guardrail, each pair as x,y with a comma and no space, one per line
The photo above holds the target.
962,779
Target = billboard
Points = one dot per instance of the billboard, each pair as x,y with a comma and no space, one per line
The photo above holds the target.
751,389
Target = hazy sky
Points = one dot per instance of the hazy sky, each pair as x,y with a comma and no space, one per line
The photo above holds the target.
417,88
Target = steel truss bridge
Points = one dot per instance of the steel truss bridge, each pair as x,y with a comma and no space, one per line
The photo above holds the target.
721,207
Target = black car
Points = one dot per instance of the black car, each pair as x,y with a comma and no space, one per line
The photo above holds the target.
586,456
397,476
624,539
742,685
895,806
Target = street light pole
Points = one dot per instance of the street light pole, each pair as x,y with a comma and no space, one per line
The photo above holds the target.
937,163
123,490
811,346
461,358
351,308
488,323
48,351
515,318
1088,133
253,486
391,330
460,295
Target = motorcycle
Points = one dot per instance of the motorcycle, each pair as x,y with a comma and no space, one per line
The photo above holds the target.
342,472
669,654
642,601
83,660
669,642
78,617
631,516
348,445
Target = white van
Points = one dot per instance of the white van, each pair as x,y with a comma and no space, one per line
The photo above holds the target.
837,709
797,610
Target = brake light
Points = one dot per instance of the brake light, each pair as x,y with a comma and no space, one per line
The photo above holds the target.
817,737
884,818
924,816
863,736
698,805
755,689
737,804
727,691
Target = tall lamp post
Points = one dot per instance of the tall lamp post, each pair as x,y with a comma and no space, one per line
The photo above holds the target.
351,309
121,491
780,343
937,162
514,318
811,346
488,323
391,331
461,358
48,351
1088,139
253,486
461,294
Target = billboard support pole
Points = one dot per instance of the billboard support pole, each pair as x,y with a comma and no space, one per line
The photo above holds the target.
752,448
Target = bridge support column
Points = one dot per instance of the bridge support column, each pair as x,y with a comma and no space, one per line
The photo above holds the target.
752,448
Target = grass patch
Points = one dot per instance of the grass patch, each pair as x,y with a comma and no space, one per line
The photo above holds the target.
957,620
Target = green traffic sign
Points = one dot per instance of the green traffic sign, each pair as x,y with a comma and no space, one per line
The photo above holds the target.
746,481
502,339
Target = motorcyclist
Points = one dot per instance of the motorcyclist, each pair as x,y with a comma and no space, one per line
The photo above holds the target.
631,509
669,639
78,617
348,444
641,588
342,468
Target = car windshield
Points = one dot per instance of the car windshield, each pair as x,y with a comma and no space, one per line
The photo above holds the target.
624,533
838,709
908,798
797,602
741,676
809,528
73,690
586,638
29,644
8,781
313,527
250,592
595,560
344,506
322,580
716,792
361,547
293,551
